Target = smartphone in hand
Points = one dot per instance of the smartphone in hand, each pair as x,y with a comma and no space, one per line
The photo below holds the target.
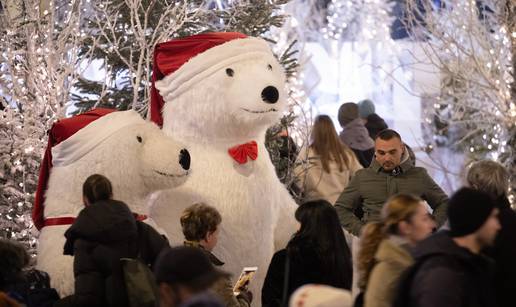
243,281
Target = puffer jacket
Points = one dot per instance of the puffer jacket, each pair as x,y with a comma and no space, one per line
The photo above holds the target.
103,233
371,187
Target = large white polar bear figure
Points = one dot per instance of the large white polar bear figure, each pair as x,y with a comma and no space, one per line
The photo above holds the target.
220,103
134,154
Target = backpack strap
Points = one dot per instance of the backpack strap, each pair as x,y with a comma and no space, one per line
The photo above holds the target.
135,246
286,279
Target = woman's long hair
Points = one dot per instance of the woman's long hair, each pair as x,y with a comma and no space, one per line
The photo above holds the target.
326,143
321,233
401,207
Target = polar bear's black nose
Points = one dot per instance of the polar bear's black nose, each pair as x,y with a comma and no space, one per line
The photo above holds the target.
184,159
270,94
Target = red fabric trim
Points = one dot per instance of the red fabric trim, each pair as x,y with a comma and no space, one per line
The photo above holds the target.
240,152
170,56
60,131
140,217
56,221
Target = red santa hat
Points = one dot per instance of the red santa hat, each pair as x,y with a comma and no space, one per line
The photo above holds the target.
187,61
63,150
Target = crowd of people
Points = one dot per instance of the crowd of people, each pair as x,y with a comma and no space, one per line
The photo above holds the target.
375,230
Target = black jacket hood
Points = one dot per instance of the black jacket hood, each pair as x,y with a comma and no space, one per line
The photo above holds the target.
103,222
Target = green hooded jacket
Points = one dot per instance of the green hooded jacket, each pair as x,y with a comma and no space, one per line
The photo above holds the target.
370,188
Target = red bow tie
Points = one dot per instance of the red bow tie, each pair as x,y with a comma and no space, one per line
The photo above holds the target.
240,152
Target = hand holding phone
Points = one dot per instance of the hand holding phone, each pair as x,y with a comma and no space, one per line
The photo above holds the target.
244,280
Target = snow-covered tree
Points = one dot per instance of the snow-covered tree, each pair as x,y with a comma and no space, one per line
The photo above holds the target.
39,50
472,45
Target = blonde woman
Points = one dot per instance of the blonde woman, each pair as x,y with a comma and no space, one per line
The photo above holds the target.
328,164
384,251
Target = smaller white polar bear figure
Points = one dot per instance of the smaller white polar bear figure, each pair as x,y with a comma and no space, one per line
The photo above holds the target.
134,154
220,103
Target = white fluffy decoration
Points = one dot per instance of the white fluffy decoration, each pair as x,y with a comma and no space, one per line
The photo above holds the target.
210,117
132,168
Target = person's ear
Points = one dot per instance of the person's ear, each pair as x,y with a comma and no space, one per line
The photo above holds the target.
207,236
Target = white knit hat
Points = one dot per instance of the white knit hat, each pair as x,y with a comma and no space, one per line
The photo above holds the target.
320,296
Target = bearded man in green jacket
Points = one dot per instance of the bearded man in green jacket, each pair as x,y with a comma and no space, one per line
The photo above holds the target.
391,172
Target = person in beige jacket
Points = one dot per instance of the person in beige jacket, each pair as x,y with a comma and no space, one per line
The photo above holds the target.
385,247
325,167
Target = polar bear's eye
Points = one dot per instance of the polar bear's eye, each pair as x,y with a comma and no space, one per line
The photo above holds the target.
230,72
139,138
269,66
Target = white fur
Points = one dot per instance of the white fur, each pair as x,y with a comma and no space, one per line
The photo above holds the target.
131,167
257,211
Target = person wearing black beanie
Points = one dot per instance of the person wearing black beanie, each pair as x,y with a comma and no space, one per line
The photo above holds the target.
449,269
468,211
494,179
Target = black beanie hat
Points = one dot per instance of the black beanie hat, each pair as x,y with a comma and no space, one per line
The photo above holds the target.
468,209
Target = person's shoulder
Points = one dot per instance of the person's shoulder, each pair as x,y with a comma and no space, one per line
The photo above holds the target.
367,171
146,229
444,264
417,171
282,253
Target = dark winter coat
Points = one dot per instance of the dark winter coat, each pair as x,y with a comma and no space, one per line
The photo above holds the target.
355,135
375,124
32,289
450,275
504,255
371,187
103,233
303,270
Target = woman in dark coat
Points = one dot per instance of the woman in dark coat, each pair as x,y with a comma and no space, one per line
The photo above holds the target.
104,232
317,254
